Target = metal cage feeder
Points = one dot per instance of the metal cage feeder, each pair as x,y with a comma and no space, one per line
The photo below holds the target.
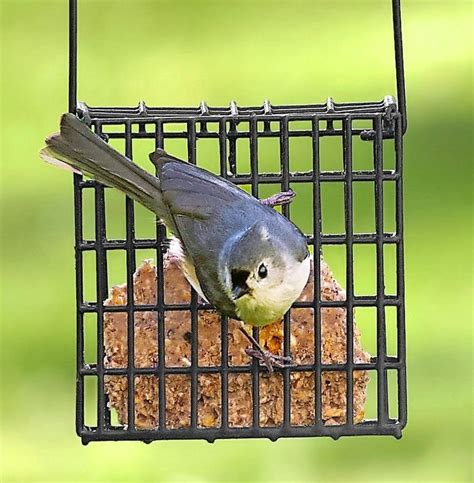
383,122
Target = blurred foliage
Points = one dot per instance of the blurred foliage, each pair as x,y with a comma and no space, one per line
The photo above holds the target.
179,52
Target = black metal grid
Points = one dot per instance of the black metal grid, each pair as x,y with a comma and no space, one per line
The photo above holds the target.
383,121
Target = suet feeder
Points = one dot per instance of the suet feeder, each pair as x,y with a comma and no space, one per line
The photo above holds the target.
189,376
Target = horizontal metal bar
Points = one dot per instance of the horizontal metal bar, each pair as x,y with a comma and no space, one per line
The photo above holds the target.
326,239
295,177
143,243
204,134
273,433
362,238
91,370
368,301
143,112
238,120
297,112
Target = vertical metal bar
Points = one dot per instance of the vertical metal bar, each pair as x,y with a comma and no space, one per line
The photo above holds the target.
382,397
284,162
223,147
256,332
399,63
160,301
72,56
254,156
224,373
255,384
347,151
194,310
401,340
224,320
233,147
101,282
130,254
285,186
317,269
77,178
79,300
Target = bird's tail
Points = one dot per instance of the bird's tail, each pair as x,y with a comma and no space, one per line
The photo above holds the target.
78,148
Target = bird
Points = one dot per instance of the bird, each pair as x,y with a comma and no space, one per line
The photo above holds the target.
239,253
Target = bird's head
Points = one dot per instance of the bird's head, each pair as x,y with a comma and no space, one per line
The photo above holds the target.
263,275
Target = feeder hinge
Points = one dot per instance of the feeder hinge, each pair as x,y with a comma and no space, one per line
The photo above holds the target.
388,120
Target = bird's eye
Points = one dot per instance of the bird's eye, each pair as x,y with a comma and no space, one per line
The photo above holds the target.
262,271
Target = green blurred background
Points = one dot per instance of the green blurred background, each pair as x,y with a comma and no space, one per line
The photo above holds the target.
180,52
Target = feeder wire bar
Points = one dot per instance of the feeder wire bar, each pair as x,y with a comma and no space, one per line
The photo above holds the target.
160,301
224,320
347,159
285,186
130,261
255,330
101,290
194,301
79,301
317,272
91,369
401,335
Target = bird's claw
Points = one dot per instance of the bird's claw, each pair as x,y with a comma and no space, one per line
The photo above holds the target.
282,198
269,359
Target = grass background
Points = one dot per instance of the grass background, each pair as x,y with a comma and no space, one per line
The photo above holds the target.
180,52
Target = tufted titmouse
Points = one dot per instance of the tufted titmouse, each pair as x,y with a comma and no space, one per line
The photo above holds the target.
238,253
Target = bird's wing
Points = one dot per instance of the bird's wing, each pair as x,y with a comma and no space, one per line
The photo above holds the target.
207,210
192,191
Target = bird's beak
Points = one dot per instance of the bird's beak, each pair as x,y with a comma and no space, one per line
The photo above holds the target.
239,291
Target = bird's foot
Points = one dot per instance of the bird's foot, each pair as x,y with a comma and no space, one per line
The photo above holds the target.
269,359
282,198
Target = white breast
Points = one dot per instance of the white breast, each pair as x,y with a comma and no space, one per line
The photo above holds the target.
176,251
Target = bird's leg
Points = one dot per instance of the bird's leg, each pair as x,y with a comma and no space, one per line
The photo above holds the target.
269,359
282,198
